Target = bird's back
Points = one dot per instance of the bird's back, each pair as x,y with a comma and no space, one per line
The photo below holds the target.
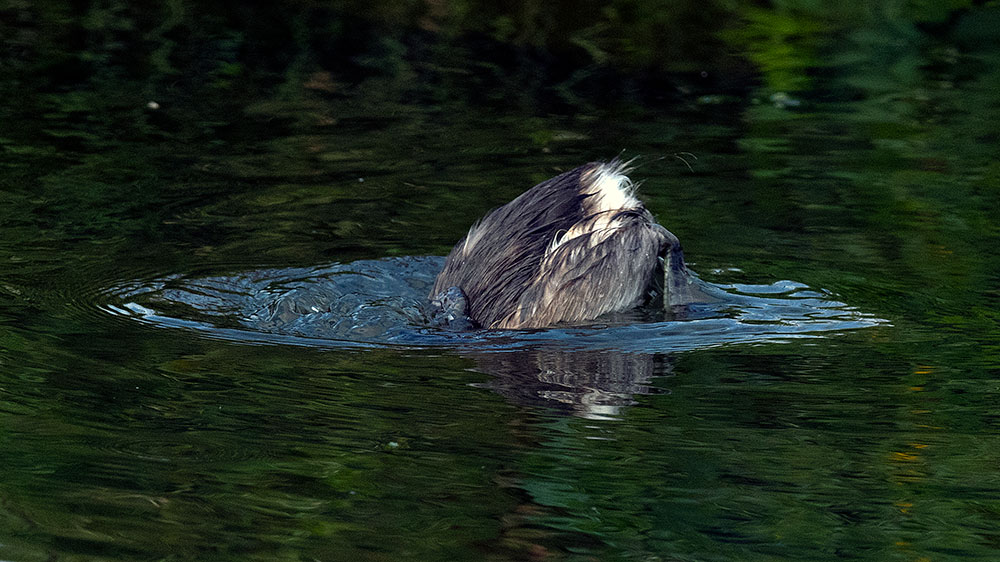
569,249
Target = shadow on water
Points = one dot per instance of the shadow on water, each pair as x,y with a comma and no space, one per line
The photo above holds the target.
591,370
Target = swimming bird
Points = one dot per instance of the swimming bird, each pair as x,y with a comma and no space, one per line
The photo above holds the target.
568,250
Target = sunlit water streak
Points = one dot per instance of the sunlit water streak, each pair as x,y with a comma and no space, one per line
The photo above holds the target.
378,303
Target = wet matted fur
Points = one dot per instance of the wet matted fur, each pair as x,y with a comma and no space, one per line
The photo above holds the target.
570,249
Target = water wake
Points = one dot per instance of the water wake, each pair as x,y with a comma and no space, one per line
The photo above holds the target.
379,303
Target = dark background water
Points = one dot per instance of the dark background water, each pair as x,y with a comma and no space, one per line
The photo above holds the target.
850,149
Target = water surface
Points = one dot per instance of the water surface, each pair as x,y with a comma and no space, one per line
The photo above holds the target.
833,175
385,302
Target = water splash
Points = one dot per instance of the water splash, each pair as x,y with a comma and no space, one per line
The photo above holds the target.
380,303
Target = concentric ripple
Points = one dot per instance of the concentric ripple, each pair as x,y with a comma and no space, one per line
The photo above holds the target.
375,303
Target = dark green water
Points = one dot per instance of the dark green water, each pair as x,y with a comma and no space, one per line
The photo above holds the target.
860,161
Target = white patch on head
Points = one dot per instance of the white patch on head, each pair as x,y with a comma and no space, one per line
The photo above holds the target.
611,191
598,228
609,187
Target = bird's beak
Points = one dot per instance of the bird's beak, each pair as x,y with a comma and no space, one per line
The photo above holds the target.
679,285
